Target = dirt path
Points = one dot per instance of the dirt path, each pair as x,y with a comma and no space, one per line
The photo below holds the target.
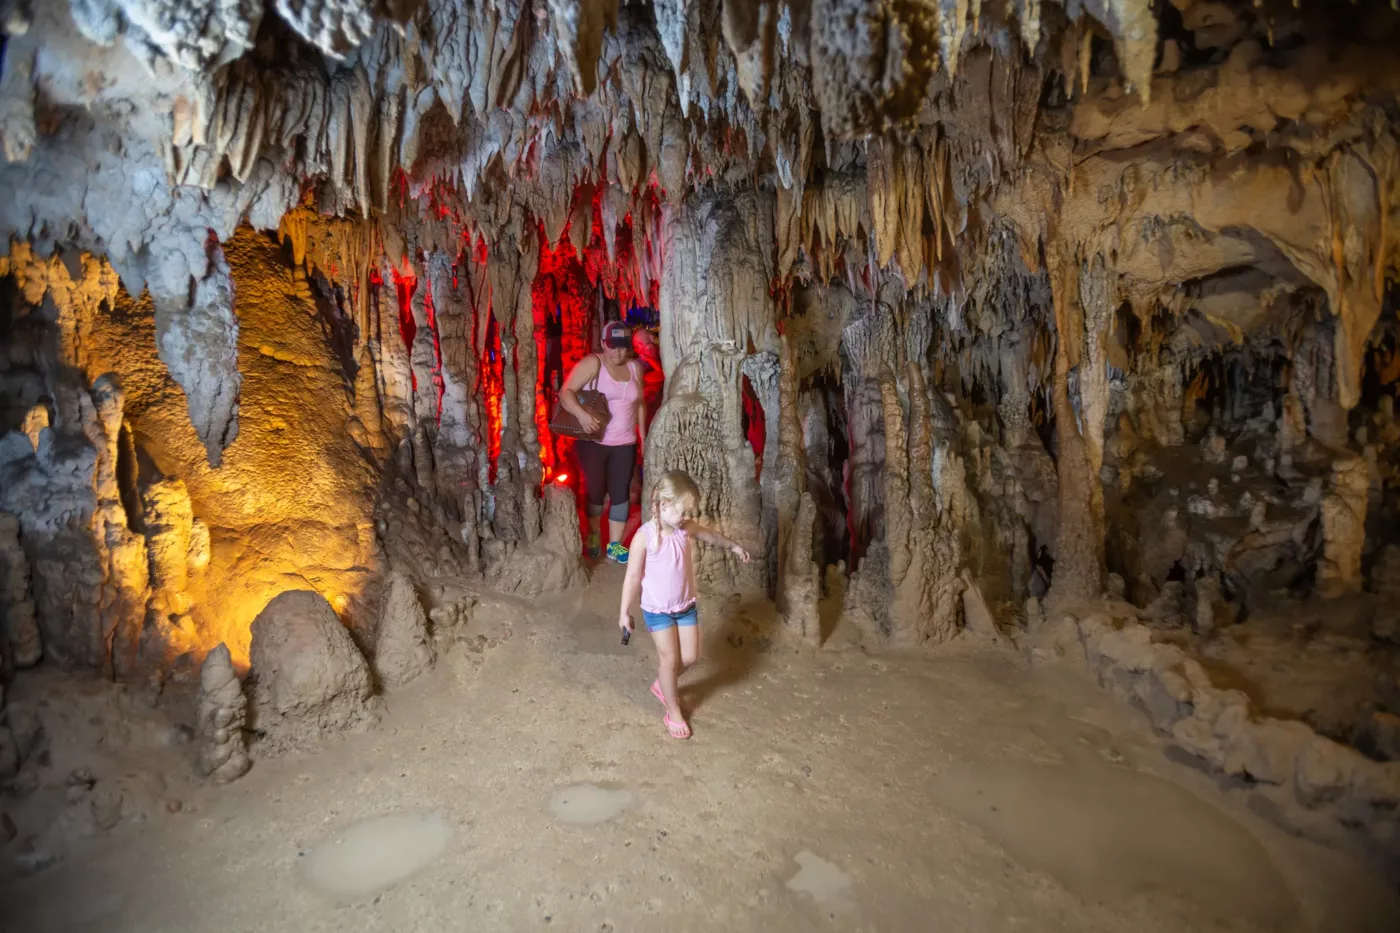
822,791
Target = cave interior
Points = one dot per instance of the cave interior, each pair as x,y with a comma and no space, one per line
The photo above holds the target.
1061,335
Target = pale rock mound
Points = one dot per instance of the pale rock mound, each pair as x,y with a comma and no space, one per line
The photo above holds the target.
310,679
403,648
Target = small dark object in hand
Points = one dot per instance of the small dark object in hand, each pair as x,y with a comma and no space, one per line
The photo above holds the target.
626,635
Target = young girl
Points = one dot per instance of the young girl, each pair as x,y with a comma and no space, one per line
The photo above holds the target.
660,567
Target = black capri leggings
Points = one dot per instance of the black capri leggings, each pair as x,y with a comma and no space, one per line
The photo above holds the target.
607,471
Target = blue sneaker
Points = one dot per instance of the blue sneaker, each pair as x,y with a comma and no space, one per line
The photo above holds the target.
617,553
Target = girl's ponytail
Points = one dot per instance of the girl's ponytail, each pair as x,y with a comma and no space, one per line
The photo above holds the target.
655,541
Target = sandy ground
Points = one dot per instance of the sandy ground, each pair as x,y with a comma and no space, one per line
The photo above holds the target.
532,787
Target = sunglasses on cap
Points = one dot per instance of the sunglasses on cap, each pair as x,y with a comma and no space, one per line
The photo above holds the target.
617,337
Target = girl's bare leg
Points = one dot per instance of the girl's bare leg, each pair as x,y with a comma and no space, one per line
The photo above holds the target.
668,669
689,636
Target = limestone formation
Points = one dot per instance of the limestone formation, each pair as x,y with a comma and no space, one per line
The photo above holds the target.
1343,527
169,522
550,563
222,717
403,648
23,647
88,570
198,341
310,681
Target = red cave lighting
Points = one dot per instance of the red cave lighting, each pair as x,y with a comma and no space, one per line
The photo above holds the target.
439,384
566,288
493,388
754,427
405,283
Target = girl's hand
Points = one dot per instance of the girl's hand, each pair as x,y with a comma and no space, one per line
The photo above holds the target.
740,553
625,622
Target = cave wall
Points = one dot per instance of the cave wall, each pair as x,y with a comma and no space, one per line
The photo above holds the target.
289,506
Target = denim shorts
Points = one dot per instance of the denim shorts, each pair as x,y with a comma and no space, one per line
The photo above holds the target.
661,621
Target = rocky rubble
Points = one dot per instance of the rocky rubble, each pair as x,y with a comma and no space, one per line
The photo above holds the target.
1315,781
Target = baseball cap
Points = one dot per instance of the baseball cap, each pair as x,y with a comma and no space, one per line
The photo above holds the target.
616,334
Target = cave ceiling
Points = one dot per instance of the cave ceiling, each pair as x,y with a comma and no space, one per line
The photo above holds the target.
1217,158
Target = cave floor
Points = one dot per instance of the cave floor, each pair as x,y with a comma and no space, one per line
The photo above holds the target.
822,790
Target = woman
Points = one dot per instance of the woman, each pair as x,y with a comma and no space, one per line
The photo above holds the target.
609,461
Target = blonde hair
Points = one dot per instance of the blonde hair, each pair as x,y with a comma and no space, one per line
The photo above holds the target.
673,486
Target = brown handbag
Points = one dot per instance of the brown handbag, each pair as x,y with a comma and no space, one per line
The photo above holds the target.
563,423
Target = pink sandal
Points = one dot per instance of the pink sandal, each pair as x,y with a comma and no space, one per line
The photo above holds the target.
678,730
656,692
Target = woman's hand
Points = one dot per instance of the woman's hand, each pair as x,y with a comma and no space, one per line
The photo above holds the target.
625,622
587,421
740,553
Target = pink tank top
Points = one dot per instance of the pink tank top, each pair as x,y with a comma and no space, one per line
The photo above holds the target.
622,404
668,579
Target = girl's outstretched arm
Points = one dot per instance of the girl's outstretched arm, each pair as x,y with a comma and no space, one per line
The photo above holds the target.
710,536
632,584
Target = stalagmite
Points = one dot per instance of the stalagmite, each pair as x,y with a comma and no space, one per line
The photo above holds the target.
223,755
403,648
309,678
1343,527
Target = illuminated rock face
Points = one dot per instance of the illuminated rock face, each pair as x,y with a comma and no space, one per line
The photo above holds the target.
964,308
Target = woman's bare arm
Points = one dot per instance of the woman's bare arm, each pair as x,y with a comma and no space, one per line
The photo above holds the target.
710,536
583,372
641,407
